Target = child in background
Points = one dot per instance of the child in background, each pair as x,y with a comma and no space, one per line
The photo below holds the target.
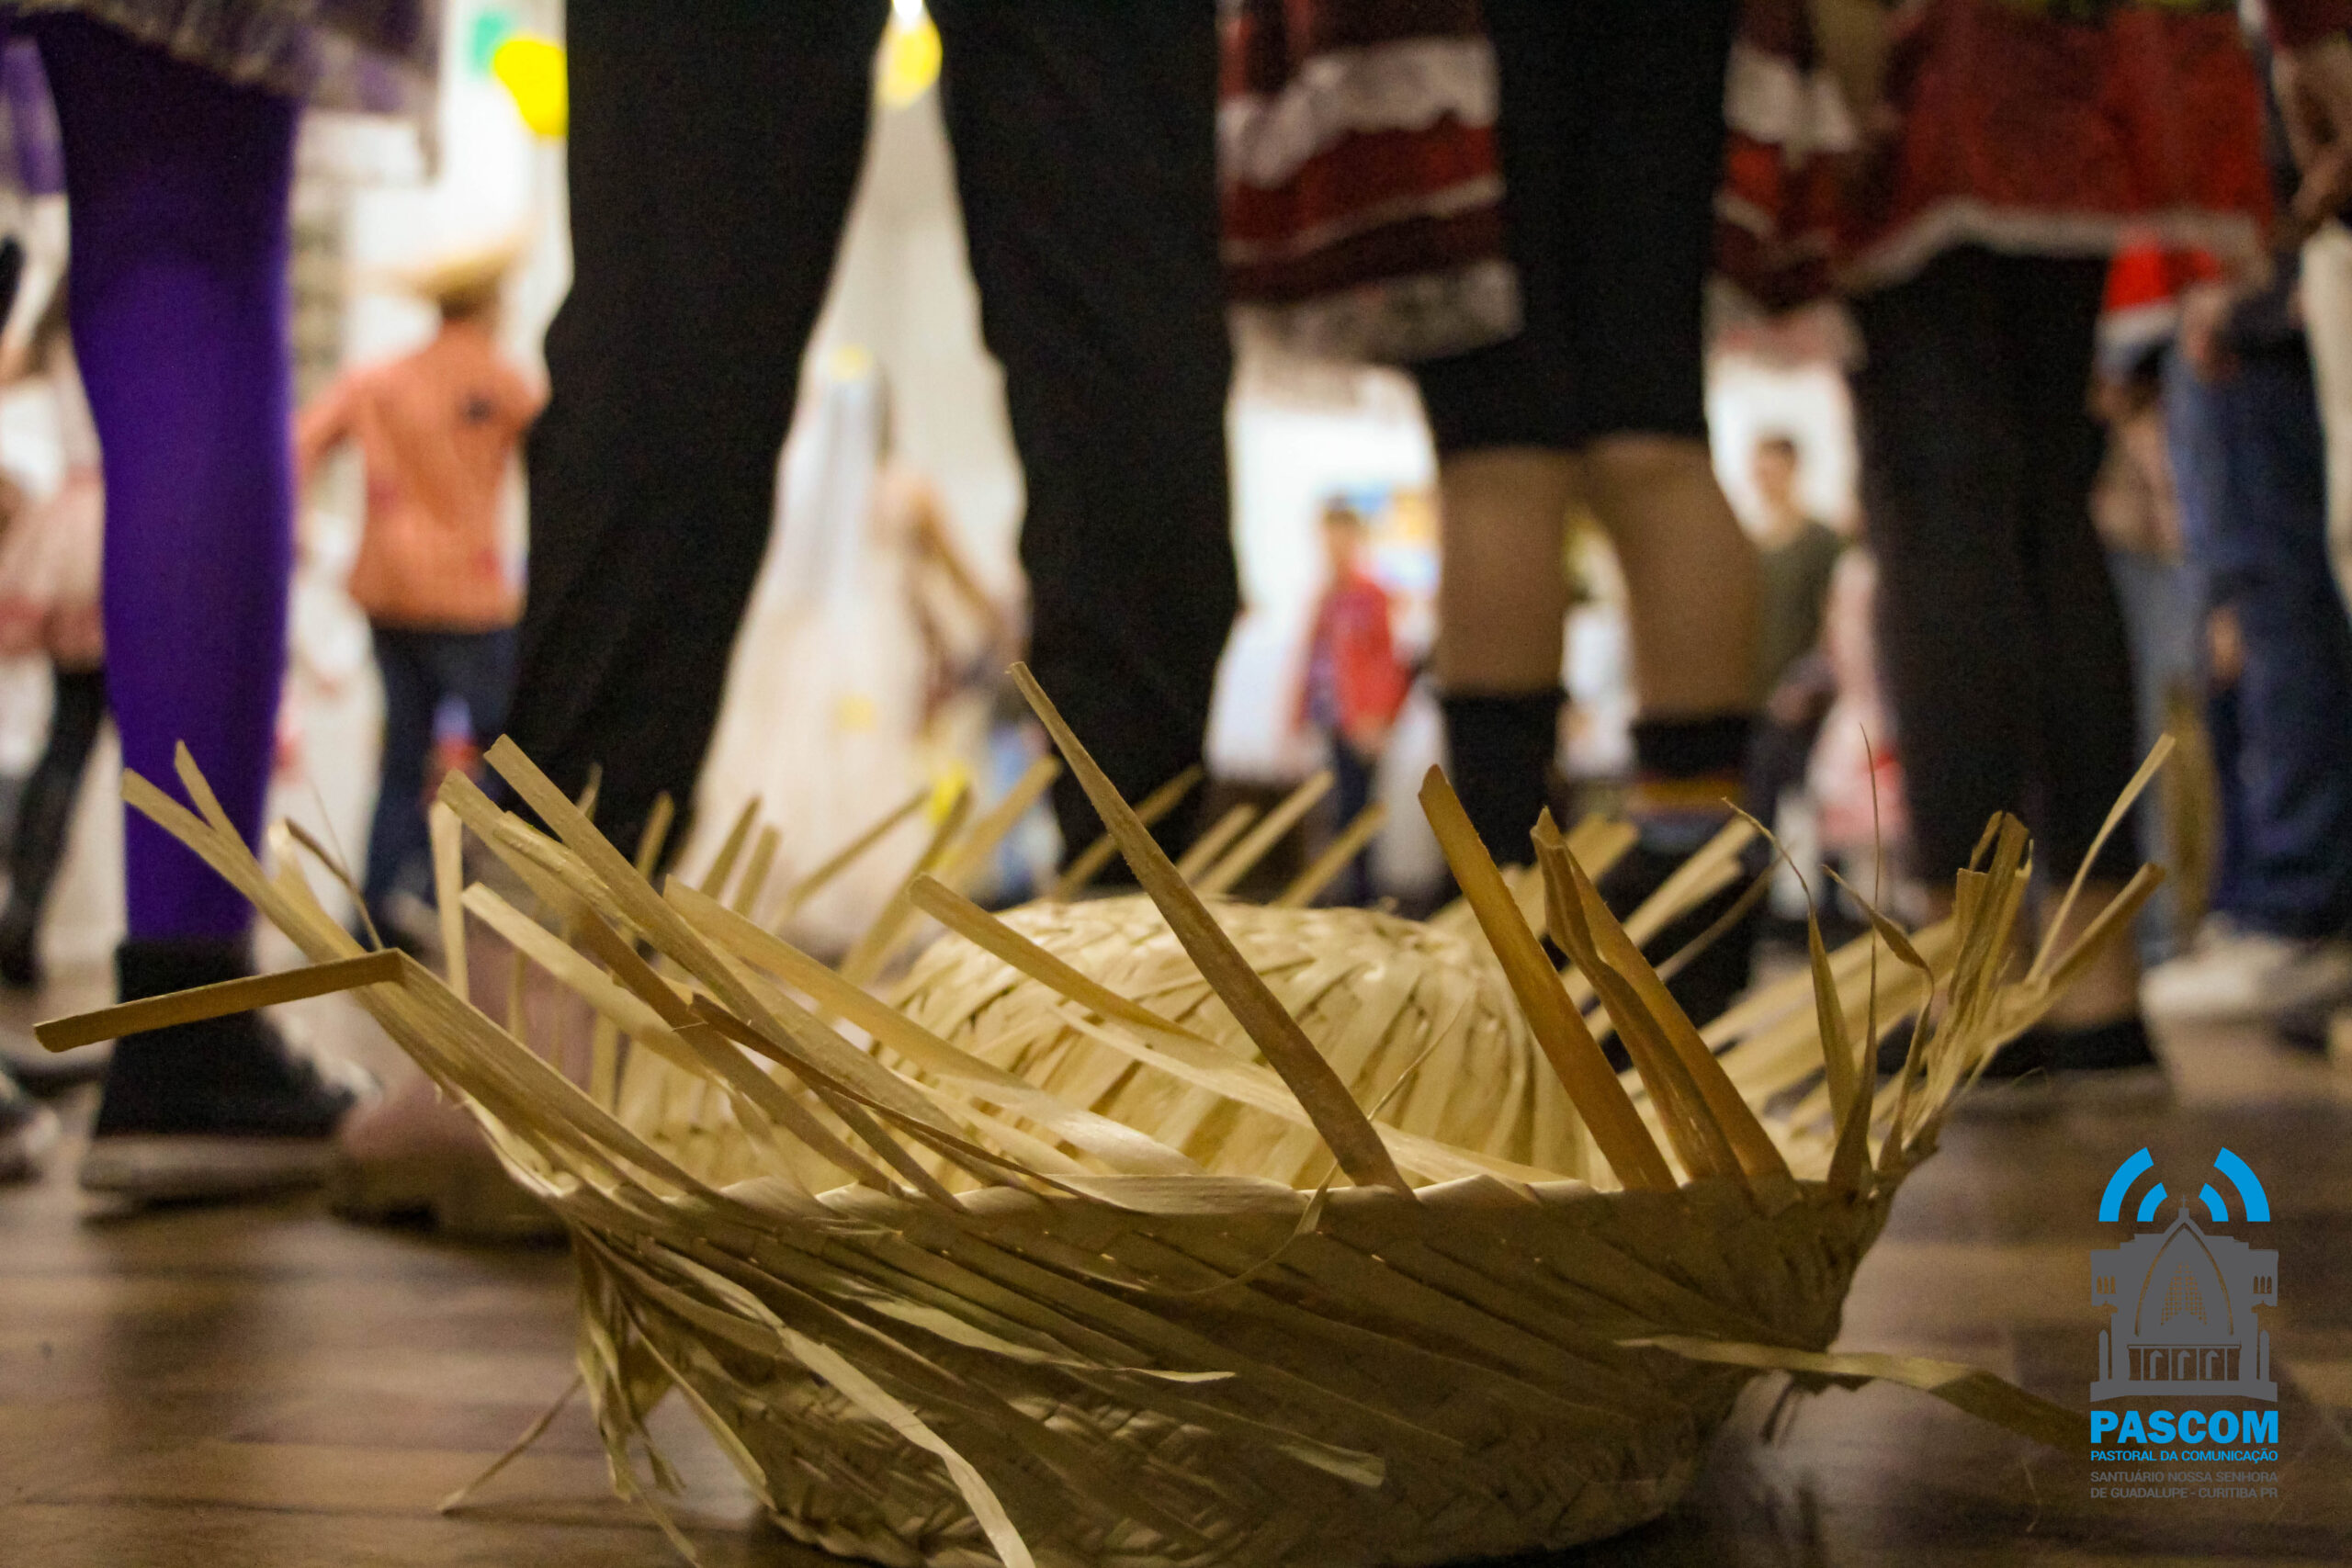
1854,775
438,431
49,604
1796,557
1354,684
1795,553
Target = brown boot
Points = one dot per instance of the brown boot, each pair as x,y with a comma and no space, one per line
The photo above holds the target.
418,1155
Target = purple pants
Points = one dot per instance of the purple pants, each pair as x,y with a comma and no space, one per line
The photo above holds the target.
178,183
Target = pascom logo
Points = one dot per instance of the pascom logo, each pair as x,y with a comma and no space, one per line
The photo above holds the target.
2182,1301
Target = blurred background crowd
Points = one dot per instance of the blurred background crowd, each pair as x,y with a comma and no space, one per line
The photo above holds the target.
1866,416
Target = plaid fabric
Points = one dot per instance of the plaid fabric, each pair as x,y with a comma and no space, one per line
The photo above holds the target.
377,56
2035,127
1787,135
1361,184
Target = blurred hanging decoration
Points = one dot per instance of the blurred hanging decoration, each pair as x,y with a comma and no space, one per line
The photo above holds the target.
491,26
950,781
908,63
532,70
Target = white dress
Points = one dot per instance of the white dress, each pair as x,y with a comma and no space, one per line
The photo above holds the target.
822,720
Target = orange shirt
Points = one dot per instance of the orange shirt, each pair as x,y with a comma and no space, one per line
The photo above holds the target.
436,431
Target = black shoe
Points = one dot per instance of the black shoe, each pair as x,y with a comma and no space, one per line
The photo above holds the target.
223,1107
2309,1028
2016,1082
2095,1066
2105,1064
19,947
1718,973
2024,1057
2118,1046
28,1131
1893,1047
2021,1058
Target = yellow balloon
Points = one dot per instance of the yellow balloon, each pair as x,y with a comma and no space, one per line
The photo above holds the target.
532,70
909,62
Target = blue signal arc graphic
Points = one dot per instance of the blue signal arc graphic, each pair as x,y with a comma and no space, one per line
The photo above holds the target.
2251,1197
2110,1204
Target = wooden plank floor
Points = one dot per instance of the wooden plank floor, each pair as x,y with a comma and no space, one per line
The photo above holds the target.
266,1386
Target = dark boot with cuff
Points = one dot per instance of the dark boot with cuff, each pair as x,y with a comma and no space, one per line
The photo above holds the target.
1500,753
1688,777
218,1108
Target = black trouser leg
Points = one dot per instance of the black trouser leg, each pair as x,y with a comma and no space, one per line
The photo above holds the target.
45,816
1086,156
1998,630
714,148
2085,712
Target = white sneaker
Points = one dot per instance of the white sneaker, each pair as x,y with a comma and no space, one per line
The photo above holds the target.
28,1131
2233,975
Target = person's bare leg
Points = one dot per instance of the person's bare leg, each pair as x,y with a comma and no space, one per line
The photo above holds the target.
1691,599
1502,606
1689,573
1503,593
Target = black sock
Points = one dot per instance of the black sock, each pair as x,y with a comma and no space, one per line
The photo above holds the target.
1688,774
1501,749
